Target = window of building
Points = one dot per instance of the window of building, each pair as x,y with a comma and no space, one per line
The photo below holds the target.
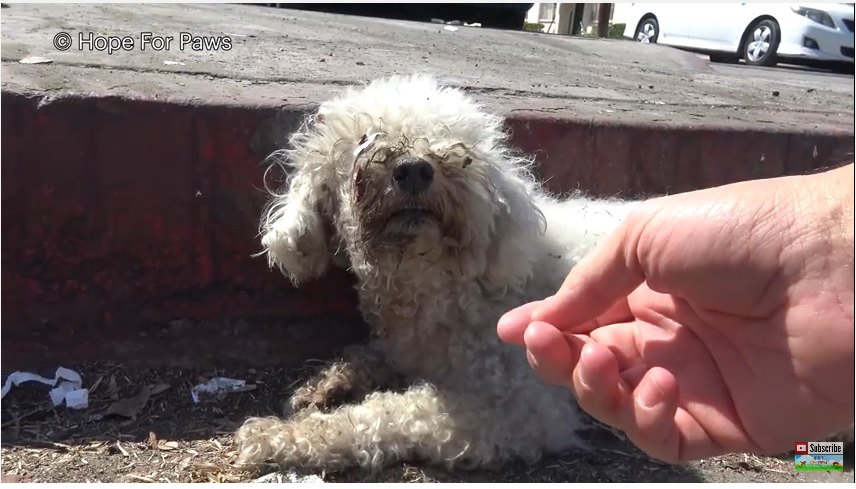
546,11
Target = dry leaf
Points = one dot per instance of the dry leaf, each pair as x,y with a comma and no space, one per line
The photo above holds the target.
152,440
167,445
158,389
129,408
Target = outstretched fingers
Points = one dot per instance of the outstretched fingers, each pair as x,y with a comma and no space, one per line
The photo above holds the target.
512,325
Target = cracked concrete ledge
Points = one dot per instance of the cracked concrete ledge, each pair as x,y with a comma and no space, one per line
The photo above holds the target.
582,105
131,188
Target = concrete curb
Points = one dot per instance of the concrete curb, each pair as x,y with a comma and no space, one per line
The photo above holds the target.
129,225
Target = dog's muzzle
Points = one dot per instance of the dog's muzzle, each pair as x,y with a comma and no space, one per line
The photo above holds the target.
413,176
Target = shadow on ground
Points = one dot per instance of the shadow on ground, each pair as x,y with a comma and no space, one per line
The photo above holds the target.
170,438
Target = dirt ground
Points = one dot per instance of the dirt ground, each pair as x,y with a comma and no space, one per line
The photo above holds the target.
171,439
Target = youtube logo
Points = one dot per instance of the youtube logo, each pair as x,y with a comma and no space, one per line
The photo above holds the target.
801,448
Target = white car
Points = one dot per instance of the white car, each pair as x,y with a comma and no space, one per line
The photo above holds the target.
760,33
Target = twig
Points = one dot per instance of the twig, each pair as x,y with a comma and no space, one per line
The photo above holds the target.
25,415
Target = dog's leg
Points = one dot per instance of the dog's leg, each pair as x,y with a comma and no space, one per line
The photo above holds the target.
361,370
387,427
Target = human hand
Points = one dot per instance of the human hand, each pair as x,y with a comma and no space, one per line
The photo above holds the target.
710,322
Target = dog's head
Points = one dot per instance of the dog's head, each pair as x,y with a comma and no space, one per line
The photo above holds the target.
406,174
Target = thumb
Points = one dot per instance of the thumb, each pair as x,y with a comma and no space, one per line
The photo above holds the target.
605,276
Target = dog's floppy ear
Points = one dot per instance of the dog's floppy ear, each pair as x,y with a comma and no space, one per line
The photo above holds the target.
293,233
294,230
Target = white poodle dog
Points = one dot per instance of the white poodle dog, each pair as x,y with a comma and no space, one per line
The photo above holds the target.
412,187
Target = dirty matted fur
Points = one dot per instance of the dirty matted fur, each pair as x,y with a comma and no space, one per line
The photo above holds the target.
436,269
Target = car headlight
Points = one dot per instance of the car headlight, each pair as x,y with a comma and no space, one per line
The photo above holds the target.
815,15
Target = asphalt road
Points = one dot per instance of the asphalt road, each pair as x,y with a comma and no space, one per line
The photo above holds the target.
785,72
282,57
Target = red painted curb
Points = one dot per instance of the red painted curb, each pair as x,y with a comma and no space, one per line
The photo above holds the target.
129,225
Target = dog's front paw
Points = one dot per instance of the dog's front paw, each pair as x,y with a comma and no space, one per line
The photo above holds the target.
263,440
308,441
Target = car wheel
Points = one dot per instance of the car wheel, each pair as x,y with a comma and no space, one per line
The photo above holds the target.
761,44
648,30
843,68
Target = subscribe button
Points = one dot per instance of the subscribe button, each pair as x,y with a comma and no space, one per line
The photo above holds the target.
821,456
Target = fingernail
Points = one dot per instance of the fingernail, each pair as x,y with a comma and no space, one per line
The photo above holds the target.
532,361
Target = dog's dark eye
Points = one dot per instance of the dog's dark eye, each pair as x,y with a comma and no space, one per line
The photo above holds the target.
364,139
467,161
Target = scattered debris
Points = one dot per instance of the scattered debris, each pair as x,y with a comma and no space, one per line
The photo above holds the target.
195,442
279,477
219,386
35,60
66,382
156,444
122,450
131,407
158,389
141,478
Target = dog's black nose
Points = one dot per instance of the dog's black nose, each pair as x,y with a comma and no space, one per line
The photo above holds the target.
413,175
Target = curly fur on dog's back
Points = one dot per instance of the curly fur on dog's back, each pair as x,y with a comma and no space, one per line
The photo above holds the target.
436,269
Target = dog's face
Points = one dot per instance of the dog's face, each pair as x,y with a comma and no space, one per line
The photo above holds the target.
402,172
406,192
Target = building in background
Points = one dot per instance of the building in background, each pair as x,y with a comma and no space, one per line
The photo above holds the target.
573,19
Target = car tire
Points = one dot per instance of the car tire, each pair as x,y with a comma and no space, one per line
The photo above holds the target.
843,68
762,43
648,30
